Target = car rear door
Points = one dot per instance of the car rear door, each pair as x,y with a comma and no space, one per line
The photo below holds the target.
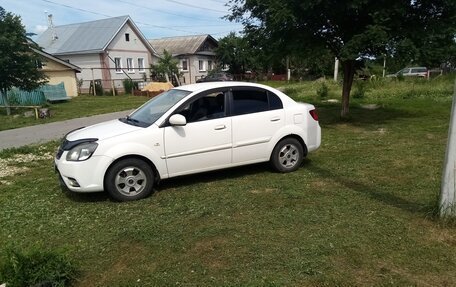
257,115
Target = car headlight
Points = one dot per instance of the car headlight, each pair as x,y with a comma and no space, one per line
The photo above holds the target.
82,151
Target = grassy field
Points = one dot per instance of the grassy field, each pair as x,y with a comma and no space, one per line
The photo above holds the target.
361,211
80,106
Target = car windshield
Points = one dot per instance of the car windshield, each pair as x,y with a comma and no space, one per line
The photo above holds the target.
152,110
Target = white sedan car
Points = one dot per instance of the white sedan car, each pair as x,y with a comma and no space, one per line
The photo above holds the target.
188,129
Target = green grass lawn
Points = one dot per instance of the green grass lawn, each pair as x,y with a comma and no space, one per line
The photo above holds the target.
80,106
361,211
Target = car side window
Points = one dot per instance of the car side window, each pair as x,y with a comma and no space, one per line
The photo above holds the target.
274,101
249,101
419,70
405,71
206,107
253,101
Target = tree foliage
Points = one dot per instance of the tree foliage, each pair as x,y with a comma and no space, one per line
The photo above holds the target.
166,67
17,59
233,52
351,30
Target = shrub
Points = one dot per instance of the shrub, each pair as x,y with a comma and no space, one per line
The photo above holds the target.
323,91
36,268
360,90
98,88
129,85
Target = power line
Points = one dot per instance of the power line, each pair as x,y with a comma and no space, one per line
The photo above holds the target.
109,16
174,28
221,2
75,8
195,6
166,12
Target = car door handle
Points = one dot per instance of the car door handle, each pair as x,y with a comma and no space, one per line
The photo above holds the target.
275,119
220,127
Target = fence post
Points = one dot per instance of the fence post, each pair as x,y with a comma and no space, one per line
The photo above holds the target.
93,83
4,95
113,88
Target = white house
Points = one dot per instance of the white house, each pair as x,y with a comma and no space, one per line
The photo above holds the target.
107,51
196,54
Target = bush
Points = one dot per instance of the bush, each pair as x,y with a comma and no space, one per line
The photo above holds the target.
129,85
360,90
36,268
323,91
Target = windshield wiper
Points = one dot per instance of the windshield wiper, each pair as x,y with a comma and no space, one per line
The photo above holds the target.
129,119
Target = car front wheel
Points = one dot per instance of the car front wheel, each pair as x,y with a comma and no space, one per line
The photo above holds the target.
287,155
129,179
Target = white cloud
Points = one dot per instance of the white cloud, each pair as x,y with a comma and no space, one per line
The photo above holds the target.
39,29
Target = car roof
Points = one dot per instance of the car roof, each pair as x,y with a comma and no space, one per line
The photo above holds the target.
222,84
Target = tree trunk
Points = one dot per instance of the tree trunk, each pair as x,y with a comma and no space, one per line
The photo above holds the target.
349,72
5,101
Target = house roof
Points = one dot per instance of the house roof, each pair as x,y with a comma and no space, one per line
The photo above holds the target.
58,60
87,37
183,45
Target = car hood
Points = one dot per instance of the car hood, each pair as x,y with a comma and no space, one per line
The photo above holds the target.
102,130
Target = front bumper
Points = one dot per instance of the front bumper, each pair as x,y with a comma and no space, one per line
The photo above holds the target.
82,176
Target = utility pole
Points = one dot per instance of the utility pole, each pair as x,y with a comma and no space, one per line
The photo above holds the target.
384,65
288,69
447,194
336,69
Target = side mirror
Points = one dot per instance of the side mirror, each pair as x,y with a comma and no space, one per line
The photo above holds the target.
177,120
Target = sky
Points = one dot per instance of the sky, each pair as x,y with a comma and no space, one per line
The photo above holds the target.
155,18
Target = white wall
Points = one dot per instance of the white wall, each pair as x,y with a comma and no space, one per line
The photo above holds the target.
194,72
85,62
135,49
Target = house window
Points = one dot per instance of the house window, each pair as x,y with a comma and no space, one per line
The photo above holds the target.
201,66
118,64
141,64
130,67
209,65
127,37
184,65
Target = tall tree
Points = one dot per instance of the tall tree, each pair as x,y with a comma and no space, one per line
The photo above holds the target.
233,52
18,61
350,29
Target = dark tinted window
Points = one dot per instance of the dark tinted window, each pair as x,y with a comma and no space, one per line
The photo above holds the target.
249,101
419,70
274,102
207,107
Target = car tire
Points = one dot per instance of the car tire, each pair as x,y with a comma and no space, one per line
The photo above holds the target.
129,179
287,155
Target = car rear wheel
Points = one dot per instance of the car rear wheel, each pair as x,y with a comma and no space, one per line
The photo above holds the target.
287,155
129,179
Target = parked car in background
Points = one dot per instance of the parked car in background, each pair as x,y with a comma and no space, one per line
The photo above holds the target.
216,77
186,130
411,72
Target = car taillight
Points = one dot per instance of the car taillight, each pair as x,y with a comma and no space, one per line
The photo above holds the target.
314,114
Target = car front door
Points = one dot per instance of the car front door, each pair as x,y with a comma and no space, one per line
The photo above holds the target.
257,115
204,143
